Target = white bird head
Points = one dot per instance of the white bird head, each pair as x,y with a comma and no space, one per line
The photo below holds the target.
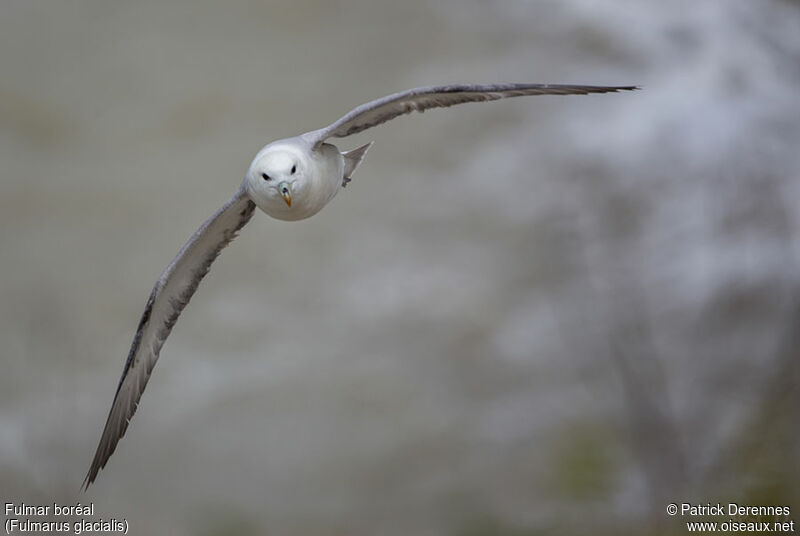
278,181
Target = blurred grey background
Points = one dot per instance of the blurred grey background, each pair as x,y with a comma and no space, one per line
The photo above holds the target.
543,315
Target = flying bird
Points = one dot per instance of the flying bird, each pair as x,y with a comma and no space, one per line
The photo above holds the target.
289,179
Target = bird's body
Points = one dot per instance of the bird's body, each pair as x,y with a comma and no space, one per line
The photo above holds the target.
289,179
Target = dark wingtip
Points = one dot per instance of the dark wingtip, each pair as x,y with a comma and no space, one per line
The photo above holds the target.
86,483
588,90
615,89
91,476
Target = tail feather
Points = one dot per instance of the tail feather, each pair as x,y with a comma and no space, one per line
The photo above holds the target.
352,159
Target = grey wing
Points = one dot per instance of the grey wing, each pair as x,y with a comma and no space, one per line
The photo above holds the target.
170,295
420,99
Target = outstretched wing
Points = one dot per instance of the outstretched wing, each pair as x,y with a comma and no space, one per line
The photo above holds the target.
420,99
172,292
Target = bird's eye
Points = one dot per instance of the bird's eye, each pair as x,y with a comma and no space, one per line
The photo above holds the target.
265,176
294,168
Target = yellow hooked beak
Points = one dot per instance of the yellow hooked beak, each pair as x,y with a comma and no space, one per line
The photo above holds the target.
286,192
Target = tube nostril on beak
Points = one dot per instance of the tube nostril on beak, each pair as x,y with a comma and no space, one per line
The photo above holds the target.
286,193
